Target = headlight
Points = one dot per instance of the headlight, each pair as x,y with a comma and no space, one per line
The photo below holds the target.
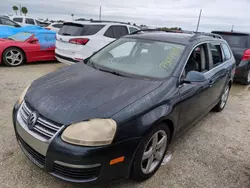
20,100
95,132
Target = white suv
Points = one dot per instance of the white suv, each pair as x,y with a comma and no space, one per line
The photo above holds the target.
77,41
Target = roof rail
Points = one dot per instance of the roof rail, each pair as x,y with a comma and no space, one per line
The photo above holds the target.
107,21
198,34
155,30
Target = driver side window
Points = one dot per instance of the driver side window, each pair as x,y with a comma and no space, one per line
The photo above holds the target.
197,61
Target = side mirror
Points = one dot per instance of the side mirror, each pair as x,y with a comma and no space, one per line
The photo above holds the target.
33,41
194,76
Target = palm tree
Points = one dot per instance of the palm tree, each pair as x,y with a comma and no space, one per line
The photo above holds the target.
24,10
15,8
72,16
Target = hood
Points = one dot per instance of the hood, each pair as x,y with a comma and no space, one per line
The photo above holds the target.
79,92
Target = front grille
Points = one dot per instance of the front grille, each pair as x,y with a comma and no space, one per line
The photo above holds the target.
79,174
33,154
45,128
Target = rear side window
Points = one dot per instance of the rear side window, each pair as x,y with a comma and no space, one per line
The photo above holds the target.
20,20
216,54
116,31
72,29
132,29
226,51
29,21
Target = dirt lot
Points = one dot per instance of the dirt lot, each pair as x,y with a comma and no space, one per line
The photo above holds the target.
215,153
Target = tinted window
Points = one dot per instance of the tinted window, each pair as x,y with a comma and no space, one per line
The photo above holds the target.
132,29
236,41
20,20
120,31
73,29
57,25
109,33
5,21
139,57
216,54
29,21
116,31
226,51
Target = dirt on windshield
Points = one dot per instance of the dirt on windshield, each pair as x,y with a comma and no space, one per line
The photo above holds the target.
215,153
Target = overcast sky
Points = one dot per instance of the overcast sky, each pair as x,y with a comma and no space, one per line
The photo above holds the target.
217,14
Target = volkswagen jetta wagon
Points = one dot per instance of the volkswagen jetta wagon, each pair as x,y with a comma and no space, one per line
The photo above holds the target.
114,116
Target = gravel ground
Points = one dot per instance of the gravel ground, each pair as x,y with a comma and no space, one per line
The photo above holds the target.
215,153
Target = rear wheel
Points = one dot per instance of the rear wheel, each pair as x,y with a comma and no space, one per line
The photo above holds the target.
13,57
151,153
223,101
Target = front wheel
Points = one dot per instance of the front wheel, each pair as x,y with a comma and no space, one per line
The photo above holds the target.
151,153
13,57
223,101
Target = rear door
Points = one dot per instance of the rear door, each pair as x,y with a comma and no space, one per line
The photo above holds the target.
238,43
73,31
219,71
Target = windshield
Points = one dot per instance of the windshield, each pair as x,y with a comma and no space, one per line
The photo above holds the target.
23,36
138,57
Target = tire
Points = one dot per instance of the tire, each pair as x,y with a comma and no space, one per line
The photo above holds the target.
140,171
13,57
246,80
223,100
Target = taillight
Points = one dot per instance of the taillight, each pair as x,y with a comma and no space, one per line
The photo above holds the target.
81,41
246,55
48,28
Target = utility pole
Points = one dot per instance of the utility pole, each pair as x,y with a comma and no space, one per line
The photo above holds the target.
20,9
232,28
198,24
100,13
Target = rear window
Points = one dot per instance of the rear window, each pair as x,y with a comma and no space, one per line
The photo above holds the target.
72,29
236,40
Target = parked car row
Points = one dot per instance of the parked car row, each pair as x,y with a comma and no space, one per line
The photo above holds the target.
114,115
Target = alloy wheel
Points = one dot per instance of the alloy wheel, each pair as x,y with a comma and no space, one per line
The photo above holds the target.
154,152
14,57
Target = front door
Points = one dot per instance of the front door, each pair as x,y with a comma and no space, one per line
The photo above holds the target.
194,97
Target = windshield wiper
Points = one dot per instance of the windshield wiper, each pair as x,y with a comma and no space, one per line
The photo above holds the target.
112,72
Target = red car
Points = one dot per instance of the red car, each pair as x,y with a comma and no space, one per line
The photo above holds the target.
27,47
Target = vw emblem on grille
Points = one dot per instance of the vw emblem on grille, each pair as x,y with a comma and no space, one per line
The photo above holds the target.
32,120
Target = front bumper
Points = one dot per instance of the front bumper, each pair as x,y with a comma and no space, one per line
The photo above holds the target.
75,163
